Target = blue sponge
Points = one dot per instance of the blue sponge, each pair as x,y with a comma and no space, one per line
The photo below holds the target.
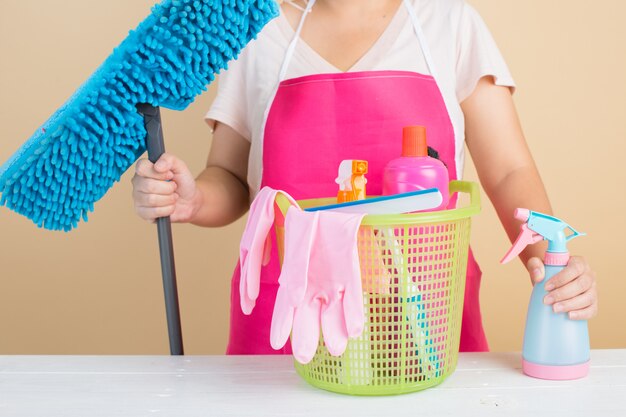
84,148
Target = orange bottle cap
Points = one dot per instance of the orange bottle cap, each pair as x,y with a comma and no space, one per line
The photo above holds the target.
359,167
414,141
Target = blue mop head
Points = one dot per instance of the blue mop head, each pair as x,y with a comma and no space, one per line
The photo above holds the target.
84,148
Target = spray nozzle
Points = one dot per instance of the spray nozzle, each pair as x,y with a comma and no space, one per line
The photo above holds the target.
351,180
537,227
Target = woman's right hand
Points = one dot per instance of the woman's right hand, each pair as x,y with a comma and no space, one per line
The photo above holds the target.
166,188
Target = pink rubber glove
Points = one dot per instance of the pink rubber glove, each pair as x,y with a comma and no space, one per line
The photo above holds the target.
255,246
300,230
320,284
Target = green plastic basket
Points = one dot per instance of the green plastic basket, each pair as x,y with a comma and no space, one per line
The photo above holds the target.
413,270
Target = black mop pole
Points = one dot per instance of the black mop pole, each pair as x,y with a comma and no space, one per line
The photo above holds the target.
156,148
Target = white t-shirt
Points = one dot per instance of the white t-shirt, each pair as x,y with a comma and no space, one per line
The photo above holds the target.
462,49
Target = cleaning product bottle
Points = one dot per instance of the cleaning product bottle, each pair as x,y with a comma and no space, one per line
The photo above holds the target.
415,170
351,180
555,347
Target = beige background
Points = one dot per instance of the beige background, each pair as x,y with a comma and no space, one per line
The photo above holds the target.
98,289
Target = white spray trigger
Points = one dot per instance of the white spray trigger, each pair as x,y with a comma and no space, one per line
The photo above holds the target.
345,175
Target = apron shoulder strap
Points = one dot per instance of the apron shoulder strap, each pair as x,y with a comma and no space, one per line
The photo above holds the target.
417,27
292,45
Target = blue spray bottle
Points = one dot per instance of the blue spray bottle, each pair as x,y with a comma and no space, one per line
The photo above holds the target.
555,347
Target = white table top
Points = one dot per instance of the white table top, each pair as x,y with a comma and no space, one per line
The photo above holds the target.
483,384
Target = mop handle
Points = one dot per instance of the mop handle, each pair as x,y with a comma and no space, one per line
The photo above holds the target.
156,148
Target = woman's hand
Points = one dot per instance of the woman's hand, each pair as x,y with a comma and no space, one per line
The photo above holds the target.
217,197
166,188
572,290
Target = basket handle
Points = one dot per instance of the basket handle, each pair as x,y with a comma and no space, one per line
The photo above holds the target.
467,187
283,203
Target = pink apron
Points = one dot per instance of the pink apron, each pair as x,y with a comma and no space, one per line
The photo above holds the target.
315,122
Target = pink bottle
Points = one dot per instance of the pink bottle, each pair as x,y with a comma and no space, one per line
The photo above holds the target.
415,170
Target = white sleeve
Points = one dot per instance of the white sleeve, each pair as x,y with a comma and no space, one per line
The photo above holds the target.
477,55
230,104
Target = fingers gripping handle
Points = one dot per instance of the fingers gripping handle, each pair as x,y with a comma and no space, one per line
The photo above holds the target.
156,148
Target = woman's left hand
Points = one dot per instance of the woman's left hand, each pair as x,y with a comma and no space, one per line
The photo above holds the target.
572,290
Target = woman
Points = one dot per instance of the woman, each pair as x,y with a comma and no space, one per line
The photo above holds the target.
338,79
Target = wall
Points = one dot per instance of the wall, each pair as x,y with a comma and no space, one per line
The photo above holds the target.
98,289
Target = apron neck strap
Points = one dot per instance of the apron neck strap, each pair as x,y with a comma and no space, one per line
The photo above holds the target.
417,27
292,46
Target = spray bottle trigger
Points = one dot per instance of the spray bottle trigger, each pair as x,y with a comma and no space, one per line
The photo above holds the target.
525,238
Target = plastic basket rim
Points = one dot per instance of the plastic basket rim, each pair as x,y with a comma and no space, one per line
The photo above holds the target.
466,187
